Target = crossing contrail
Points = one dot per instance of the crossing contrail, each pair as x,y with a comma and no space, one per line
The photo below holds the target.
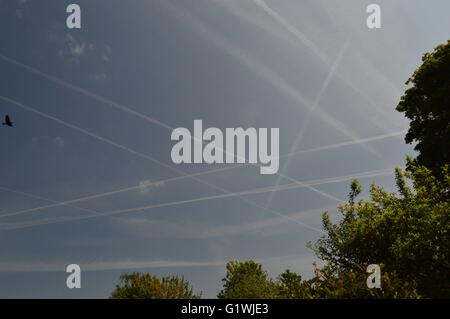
14,191
317,182
113,104
105,194
239,55
299,37
28,108
263,71
122,147
349,143
178,178
305,123
107,141
82,91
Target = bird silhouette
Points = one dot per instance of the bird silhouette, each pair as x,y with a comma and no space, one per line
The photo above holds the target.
8,121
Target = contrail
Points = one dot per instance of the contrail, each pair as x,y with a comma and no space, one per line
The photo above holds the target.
86,132
118,106
291,29
305,123
263,71
236,53
114,192
131,188
368,174
85,92
14,191
37,267
105,140
113,104
233,230
349,143
297,35
28,108
121,264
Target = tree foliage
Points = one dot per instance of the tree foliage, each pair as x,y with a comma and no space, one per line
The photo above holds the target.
247,280
292,286
351,283
427,104
407,233
146,286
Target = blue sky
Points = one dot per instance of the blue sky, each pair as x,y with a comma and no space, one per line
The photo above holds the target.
93,112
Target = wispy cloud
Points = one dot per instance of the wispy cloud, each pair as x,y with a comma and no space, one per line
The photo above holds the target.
37,266
146,185
146,228
77,50
74,48
59,141
44,266
22,8
39,141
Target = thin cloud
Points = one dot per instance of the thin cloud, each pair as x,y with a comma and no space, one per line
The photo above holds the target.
42,266
127,264
74,48
22,8
145,186
59,141
150,228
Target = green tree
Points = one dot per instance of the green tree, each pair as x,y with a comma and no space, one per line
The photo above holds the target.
247,280
427,104
291,286
329,283
408,234
146,286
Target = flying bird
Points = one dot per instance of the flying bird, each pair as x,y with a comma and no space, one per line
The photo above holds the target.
8,121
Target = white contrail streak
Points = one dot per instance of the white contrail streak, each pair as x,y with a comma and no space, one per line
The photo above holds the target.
126,264
28,108
131,188
82,91
291,29
14,191
114,192
262,70
37,267
115,105
305,123
368,174
349,143
298,36
86,132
